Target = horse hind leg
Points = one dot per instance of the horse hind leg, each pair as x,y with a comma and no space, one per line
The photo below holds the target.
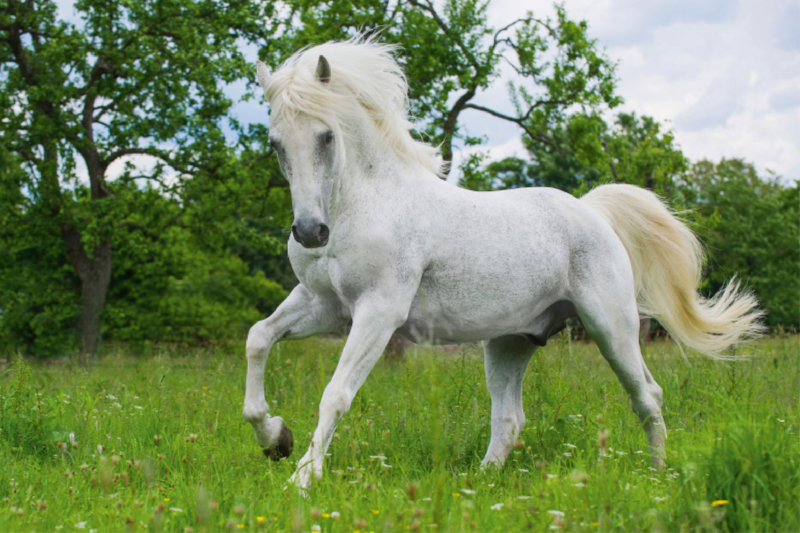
505,362
615,329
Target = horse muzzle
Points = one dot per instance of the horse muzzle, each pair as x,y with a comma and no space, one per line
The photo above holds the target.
311,233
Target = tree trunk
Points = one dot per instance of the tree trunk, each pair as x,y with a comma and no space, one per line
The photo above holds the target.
95,275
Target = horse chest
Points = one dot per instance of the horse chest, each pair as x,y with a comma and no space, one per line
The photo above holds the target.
311,267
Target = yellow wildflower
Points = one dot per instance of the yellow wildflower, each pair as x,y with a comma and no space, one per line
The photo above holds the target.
456,495
260,518
166,499
325,515
719,503
376,512
240,526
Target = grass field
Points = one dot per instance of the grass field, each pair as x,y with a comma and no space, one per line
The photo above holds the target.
160,445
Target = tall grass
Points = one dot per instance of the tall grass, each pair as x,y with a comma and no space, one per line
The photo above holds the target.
175,453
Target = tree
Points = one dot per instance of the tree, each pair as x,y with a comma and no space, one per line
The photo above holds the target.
450,54
587,152
751,229
138,78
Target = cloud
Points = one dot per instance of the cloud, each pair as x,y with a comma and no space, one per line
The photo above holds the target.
625,22
785,99
718,103
788,34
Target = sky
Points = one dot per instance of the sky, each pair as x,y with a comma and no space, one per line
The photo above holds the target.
723,75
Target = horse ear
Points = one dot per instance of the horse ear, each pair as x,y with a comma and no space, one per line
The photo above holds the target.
262,74
323,70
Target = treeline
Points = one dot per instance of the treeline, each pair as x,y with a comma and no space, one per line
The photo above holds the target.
194,244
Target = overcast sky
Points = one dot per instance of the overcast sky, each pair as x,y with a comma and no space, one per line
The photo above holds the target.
724,75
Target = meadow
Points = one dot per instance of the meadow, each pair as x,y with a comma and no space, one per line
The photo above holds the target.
153,439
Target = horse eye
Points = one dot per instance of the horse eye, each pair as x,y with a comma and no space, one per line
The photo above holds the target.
273,145
328,138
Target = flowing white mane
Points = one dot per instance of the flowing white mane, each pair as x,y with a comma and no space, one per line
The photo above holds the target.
365,75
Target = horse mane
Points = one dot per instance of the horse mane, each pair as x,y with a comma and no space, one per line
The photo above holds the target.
365,77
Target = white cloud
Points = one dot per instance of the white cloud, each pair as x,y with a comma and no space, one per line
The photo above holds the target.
724,75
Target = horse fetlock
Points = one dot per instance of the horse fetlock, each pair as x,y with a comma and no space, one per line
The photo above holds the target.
255,413
308,468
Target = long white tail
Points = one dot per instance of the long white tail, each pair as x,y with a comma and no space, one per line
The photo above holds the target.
667,261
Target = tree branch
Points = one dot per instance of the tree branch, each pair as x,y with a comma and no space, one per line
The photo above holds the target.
518,121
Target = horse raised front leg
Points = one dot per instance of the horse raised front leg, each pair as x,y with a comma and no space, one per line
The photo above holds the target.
505,362
372,329
302,314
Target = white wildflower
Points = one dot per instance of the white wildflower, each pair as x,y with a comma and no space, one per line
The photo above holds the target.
467,491
560,514
316,528
175,510
496,507
81,525
568,445
335,515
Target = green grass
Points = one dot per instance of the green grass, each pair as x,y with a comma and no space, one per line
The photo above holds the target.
733,435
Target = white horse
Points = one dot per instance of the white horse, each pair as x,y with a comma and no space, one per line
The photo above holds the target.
378,238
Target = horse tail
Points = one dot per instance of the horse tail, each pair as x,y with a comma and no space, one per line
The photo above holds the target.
667,259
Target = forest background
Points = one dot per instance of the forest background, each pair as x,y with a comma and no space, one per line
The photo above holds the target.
193,247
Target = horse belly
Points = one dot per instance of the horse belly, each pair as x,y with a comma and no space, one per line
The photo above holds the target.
492,305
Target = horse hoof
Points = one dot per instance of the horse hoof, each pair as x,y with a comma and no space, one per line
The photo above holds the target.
283,448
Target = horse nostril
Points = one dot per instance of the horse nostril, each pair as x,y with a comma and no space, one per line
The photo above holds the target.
322,233
295,233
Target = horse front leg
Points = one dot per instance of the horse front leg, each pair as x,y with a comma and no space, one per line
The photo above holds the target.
372,329
301,315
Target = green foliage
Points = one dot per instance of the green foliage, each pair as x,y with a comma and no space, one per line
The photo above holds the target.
133,79
174,284
38,291
751,228
427,417
585,152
